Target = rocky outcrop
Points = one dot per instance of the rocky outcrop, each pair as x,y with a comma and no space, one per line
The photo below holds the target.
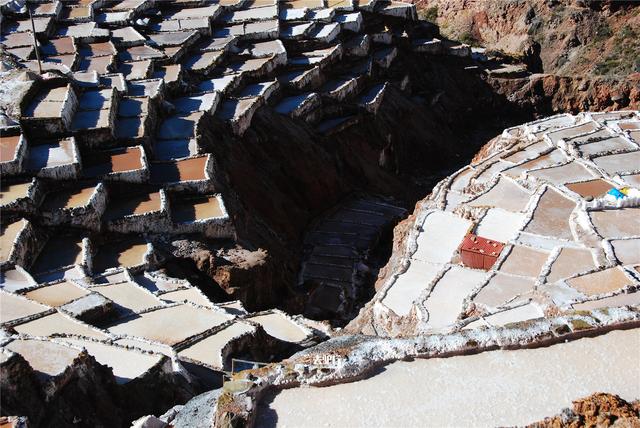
569,38
597,410
551,93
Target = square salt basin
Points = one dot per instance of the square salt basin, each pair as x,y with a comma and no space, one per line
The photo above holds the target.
128,296
119,160
618,223
93,119
168,73
172,39
51,155
59,252
100,64
591,188
220,84
175,127
95,100
632,180
209,350
46,358
280,327
126,364
445,229
8,146
14,307
138,53
10,193
144,88
130,128
569,262
58,323
133,107
135,70
14,40
76,12
622,299
187,105
614,164
531,150
505,194
68,198
191,169
499,225
409,285
552,158
551,215
166,150
128,205
609,145
627,251
524,261
197,208
158,284
192,295
97,49
444,304
170,325
521,313
572,171
128,254
604,281
57,294
15,280
73,272
573,131
503,288
54,95
8,237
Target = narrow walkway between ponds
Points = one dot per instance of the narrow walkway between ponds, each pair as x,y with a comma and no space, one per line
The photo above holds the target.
489,389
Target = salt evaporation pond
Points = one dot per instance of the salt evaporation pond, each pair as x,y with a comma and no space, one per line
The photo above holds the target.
495,388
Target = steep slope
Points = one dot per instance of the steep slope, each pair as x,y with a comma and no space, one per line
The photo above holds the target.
566,37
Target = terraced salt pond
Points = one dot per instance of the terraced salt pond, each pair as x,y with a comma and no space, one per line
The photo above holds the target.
127,253
279,326
495,388
170,325
133,205
60,251
45,357
209,350
57,294
198,208
69,199
11,192
126,364
8,237
57,323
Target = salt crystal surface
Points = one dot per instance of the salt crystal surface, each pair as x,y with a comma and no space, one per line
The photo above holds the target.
439,390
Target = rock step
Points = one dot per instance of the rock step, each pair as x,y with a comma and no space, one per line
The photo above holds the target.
332,261
327,272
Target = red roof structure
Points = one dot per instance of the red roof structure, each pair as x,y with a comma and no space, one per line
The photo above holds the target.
479,253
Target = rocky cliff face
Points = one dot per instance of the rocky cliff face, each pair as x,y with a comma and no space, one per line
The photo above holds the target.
282,173
597,410
566,37
584,54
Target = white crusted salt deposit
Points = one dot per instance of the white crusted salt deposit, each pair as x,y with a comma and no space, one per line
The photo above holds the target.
566,219
440,390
